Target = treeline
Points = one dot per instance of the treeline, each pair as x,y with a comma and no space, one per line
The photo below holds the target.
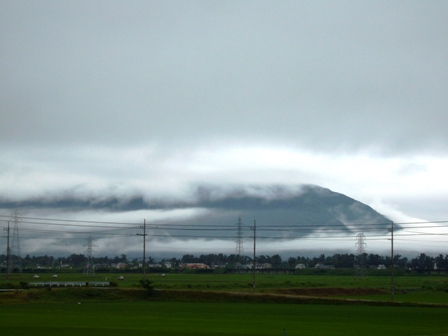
73,260
421,262
337,260
276,261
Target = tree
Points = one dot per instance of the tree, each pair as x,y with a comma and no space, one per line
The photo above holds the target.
292,262
422,263
77,260
374,260
189,258
276,261
441,262
148,285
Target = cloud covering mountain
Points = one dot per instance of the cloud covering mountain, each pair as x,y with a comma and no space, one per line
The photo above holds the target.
281,213
108,106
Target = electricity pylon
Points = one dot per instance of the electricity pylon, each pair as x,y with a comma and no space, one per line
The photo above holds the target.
360,251
239,251
15,262
89,270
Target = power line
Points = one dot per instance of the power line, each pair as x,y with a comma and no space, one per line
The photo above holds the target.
167,224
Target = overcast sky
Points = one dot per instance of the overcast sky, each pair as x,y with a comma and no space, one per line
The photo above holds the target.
102,98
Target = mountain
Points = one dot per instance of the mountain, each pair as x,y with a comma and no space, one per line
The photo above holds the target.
304,209
298,210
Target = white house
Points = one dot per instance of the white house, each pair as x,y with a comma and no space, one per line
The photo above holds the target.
322,266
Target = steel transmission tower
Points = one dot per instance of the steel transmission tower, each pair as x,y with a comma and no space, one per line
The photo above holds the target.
360,251
89,267
239,251
15,261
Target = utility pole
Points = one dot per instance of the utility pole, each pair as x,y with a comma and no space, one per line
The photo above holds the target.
144,245
8,254
392,286
255,254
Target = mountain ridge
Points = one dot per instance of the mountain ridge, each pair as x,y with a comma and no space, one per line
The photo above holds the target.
311,207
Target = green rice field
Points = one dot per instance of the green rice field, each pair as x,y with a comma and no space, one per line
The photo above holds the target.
209,304
205,318
244,282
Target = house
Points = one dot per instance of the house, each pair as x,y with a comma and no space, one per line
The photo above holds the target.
260,266
195,266
240,266
99,266
168,264
322,266
300,266
216,266
381,267
120,265
154,265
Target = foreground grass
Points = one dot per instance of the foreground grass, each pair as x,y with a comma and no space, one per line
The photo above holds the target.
424,296
118,311
218,318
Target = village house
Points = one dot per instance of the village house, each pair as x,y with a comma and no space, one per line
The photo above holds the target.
194,266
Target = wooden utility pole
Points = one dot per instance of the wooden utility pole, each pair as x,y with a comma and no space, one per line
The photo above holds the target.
8,255
144,246
392,281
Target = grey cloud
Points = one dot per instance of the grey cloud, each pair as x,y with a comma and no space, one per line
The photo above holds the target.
326,76
275,205
126,106
211,215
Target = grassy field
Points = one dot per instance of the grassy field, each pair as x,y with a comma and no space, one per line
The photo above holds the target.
209,304
244,282
205,318
174,280
424,296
